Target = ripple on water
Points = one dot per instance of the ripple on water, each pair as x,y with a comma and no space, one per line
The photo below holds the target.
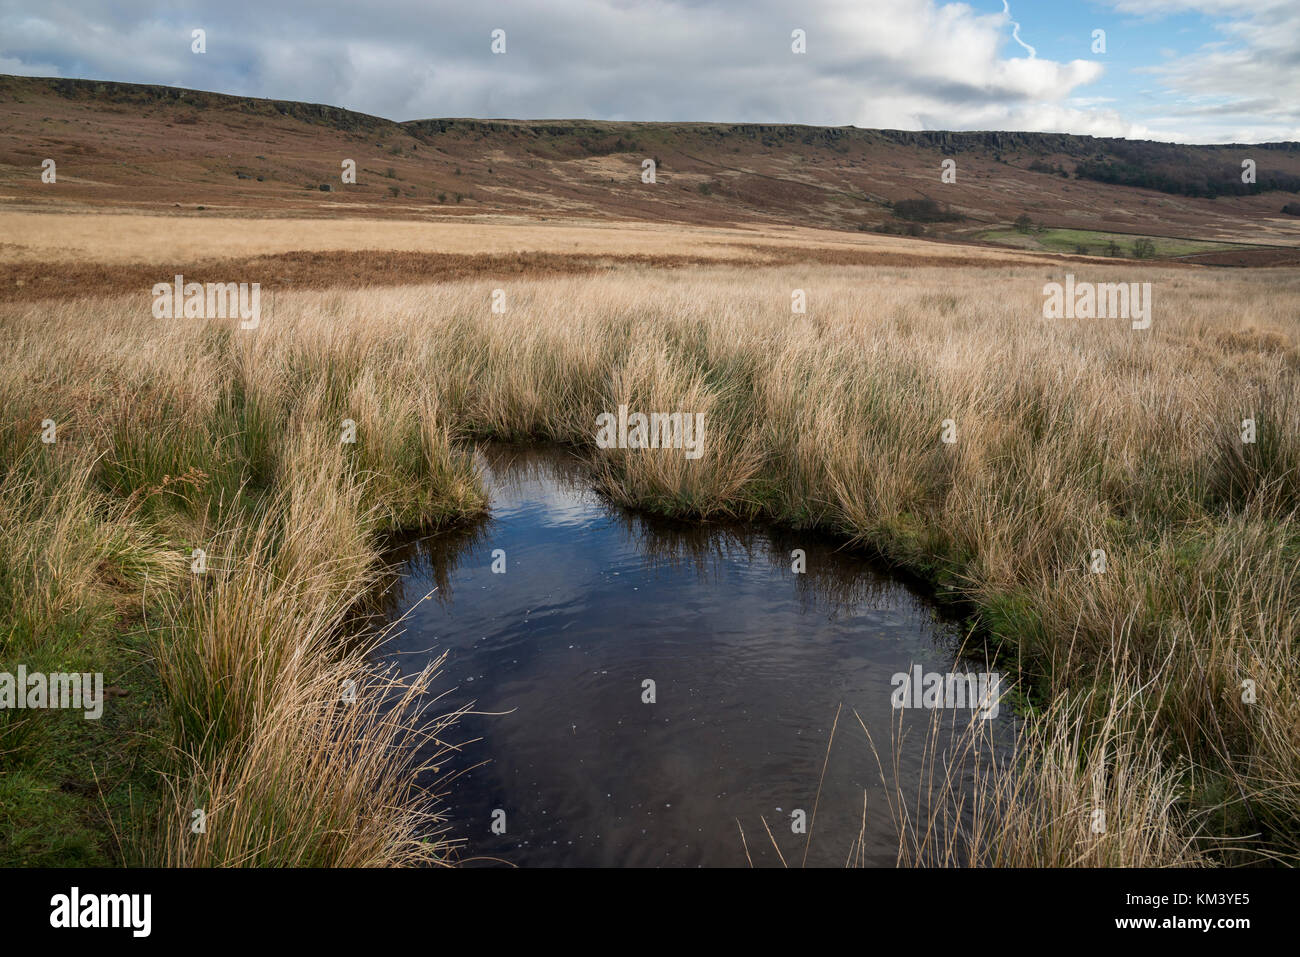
749,660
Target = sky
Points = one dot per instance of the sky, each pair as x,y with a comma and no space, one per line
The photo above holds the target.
1200,71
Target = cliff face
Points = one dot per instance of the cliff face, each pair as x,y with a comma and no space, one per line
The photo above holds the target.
1065,144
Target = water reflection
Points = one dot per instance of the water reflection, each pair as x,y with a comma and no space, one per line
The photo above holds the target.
749,662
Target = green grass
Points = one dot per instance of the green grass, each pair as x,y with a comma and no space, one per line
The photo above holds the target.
69,787
1068,240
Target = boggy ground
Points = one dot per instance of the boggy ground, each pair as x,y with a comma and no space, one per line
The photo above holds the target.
1071,436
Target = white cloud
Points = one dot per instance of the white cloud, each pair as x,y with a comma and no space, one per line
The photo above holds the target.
1244,87
909,64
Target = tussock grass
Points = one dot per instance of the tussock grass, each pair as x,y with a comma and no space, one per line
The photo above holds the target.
1087,785
1071,436
325,784
255,693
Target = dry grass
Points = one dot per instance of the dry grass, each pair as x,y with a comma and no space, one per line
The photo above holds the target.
227,452
138,239
1087,783
1072,436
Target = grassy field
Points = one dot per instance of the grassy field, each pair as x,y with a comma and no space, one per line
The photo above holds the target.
126,239
1072,435
1095,243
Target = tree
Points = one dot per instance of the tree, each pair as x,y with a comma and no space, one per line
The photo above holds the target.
1023,223
925,211
1143,248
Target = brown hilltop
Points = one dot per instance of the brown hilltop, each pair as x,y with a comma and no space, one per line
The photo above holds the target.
155,148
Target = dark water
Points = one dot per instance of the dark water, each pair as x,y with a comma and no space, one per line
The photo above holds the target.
749,661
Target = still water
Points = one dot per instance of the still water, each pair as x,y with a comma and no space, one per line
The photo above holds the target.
749,662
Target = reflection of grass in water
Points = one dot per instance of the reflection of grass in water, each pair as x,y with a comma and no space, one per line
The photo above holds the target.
1083,783
509,468
441,552
832,576
513,467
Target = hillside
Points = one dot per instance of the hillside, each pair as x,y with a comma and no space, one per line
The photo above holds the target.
152,148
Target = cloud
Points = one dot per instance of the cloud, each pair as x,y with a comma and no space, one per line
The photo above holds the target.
1251,76
892,63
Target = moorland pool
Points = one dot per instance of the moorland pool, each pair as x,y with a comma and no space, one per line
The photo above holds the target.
749,662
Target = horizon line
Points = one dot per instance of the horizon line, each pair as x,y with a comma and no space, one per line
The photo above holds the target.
508,119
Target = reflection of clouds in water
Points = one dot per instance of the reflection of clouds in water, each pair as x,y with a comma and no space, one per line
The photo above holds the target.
552,482
549,483
534,490
751,661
